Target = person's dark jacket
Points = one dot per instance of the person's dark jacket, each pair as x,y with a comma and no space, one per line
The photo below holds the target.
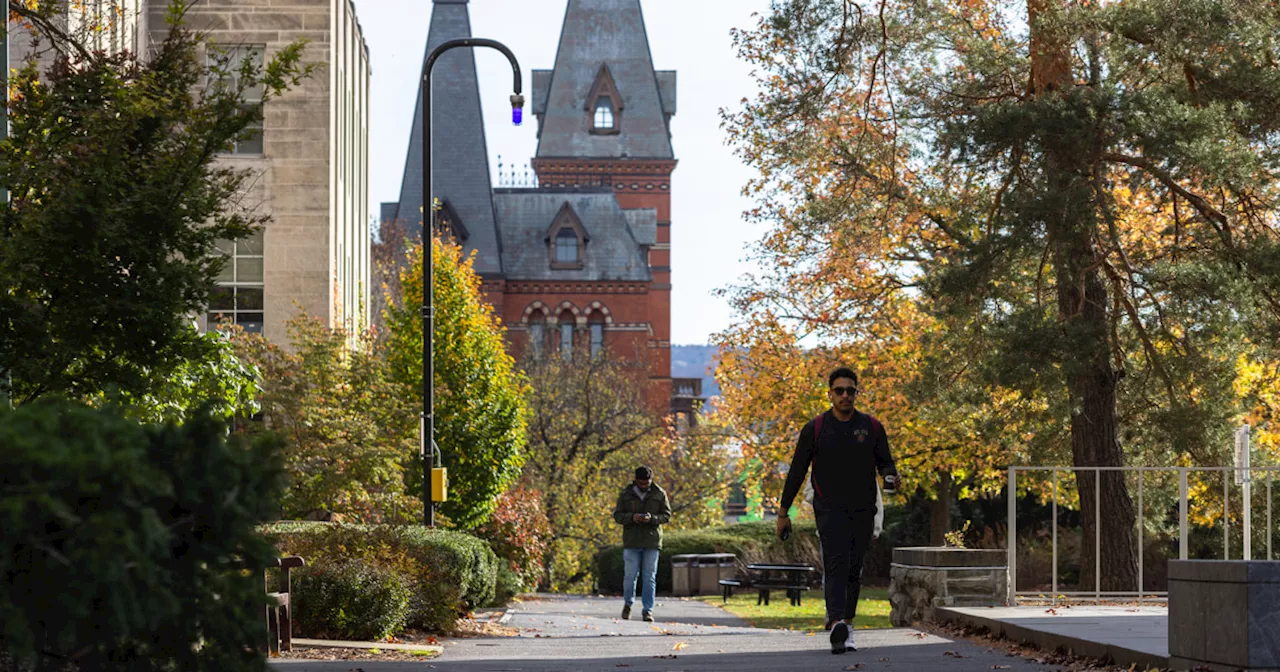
647,534
844,465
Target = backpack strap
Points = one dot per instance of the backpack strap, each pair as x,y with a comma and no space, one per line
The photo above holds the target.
813,466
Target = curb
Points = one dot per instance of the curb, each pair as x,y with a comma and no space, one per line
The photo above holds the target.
1049,641
339,644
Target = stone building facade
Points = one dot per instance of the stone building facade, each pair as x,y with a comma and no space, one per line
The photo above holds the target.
311,166
309,162
582,258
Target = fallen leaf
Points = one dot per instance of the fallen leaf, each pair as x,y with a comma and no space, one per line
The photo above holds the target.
855,666
680,646
1000,667
919,635
954,654
810,634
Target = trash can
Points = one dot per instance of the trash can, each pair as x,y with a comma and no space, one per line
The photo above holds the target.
682,574
711,568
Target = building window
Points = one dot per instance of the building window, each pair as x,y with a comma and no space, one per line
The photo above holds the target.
230,62
537,333
597,335
604,114
237,298
566,336
566,246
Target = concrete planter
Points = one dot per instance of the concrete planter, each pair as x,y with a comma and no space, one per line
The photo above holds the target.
923,578
1224,614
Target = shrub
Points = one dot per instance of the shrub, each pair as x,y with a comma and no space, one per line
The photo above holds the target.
750,542
350,599
124,544
509,584
519,533
449,573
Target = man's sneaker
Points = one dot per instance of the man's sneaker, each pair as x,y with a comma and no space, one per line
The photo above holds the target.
647,616
839,636
626,612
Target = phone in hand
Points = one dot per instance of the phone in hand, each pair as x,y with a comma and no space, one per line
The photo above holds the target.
786,533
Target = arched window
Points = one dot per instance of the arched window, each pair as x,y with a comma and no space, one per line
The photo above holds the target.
603,118
596,325
566,246
566,335
537,332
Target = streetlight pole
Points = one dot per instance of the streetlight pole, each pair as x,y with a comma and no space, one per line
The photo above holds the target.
428,223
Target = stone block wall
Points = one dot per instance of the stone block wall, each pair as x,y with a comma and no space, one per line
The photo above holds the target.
1224,614
921,579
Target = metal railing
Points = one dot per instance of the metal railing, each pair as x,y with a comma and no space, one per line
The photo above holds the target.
1183,524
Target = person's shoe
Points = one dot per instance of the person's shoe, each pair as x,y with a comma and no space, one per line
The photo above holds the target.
647,616
839,636
626,612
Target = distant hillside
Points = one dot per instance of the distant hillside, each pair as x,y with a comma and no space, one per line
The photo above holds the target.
695,361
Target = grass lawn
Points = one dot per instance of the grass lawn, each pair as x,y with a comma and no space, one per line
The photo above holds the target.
873,609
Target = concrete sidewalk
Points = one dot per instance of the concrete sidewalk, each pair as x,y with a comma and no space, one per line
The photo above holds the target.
1125,635
571,633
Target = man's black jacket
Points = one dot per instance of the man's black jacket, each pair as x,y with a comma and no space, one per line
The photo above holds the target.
845,462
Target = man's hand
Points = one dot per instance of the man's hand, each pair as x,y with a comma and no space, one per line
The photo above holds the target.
639,518
784,524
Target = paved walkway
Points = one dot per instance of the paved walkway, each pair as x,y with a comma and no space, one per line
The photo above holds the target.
571,633
1126,635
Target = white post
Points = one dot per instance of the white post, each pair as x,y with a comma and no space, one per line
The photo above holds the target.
1245,479
1011,538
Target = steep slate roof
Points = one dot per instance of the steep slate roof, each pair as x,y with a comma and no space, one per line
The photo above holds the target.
610,32
460,157
612,252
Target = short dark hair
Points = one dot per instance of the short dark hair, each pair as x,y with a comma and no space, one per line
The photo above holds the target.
842,372
644,474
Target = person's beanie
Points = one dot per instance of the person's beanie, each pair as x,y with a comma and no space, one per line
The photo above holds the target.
644,474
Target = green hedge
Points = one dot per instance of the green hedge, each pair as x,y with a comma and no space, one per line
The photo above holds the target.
350,600
123,544
449,573
751,542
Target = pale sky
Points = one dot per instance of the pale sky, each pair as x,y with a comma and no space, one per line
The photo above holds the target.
708,234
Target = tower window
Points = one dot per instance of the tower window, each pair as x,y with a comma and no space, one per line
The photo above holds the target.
566,336
537,332
566,246
597,335
604,113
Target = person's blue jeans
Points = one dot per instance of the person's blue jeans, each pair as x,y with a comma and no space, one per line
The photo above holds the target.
642,562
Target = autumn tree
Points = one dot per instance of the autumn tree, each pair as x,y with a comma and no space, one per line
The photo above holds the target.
480,410
107,246
349,432
1081,192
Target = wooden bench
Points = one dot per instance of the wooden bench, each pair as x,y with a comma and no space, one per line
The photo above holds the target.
727,586
794,591
279,611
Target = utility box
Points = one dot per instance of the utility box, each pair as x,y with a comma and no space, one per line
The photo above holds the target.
440,484
683,574
712,567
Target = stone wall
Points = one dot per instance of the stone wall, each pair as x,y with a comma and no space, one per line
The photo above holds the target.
923,578
1224,614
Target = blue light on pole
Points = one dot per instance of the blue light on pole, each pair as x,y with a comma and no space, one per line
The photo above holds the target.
517,109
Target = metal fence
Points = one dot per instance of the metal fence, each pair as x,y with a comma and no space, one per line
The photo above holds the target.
1183,525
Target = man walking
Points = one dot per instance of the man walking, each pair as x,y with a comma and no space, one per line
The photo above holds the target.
845,448
642,510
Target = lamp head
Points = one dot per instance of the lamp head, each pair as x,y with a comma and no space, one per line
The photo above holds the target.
517,109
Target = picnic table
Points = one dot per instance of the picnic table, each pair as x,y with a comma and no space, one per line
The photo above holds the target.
793,578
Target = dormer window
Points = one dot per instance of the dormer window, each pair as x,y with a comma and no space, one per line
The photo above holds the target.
566,241
566,246
603,120
604,104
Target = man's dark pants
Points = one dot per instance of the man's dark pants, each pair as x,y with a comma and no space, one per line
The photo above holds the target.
845,538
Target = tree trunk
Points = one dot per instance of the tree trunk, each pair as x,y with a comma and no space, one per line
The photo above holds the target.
940,512
1070,217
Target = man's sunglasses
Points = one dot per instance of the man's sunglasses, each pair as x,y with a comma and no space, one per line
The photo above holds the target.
841,391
